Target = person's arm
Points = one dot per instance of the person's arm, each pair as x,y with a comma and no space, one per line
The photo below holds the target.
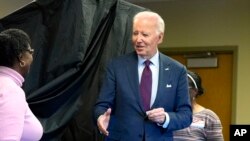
12,111
103,106
181,116
213,127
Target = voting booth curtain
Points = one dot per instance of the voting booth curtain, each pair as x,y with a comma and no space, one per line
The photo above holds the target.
73,42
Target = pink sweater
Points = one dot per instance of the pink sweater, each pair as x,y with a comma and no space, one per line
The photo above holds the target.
17,122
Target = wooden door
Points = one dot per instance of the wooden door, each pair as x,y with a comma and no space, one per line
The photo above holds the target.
217,82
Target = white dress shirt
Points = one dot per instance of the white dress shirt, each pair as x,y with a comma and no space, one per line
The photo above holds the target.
154,66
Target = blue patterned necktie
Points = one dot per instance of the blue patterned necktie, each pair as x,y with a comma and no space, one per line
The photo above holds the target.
146,85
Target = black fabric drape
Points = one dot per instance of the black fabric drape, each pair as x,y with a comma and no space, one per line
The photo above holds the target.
73,41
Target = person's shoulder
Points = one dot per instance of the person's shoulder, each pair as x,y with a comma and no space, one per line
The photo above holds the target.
211,114
123,57
170,60
10,90
127,55
121,60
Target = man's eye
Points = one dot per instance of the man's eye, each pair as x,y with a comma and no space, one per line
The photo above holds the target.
135,33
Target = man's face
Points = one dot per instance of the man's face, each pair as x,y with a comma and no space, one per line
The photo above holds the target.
145,37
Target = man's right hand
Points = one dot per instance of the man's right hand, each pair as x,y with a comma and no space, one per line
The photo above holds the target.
103,122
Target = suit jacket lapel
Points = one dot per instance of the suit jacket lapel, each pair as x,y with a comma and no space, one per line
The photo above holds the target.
164,76
132,72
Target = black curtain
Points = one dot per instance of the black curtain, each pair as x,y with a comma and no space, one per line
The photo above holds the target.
73,41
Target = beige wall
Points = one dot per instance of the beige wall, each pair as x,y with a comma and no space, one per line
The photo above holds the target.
8,6
192,23
202,23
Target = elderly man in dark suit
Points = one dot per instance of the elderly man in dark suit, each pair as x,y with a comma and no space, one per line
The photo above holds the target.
144,96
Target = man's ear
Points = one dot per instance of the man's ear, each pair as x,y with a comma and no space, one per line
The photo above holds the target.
161,35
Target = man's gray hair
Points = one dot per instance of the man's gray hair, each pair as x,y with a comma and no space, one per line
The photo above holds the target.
160,21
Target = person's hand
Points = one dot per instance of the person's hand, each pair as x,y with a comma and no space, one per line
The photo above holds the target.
157,115
103,122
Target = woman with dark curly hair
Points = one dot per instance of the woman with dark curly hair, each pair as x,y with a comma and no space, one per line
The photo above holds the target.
17,122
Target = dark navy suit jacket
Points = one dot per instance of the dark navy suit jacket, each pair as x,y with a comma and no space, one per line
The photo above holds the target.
120,91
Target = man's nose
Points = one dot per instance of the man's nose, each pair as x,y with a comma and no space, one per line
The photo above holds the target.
139,38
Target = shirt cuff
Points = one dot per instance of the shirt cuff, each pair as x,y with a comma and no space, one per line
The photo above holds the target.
165,124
